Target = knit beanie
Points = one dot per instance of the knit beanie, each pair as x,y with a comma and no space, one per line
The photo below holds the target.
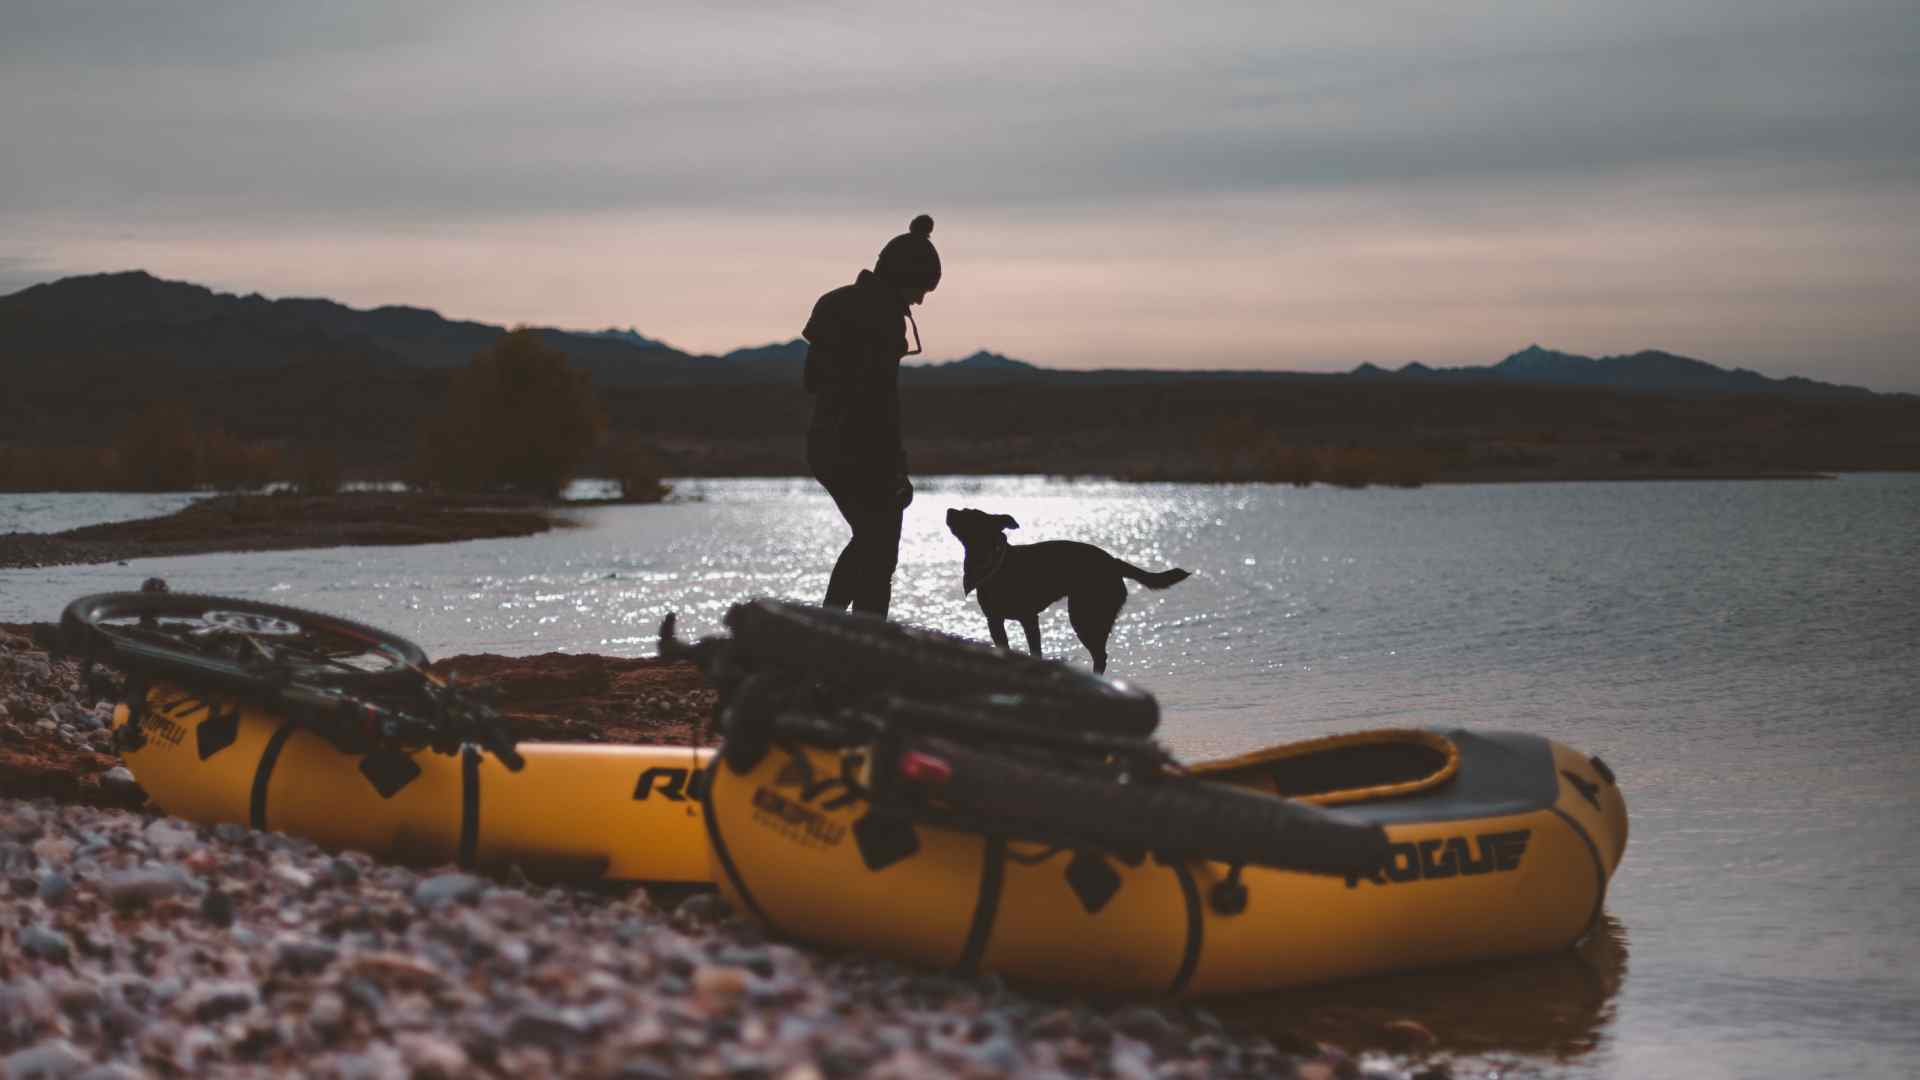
909,261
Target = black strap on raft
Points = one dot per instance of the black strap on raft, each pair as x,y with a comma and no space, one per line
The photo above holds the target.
1229,896
131,737
850,779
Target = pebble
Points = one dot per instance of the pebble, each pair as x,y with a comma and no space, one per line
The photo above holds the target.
16,856
217,908
1145,1023
168,835
303,956
376,1063
704,907
55,1059
292,876
112,1070
548,1027
431,1056
145,884
720,984
328,1011
208,1002
54,888
45,944
447,889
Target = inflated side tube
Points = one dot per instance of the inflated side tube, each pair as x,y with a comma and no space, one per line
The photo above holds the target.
1500,844
1173,817
870,653
577,810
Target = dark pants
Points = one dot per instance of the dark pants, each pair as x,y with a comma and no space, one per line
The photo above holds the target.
863,575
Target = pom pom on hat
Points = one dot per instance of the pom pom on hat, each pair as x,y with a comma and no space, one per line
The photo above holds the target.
909,260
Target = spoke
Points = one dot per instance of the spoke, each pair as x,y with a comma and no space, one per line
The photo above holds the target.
339,661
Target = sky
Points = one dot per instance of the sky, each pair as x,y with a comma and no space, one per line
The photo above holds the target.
1274,185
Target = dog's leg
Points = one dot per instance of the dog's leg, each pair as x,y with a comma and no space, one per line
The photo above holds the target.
1094,637
1092,615
1031,624
998,628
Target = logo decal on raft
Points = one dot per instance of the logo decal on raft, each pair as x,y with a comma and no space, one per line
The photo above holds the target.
1445,857
801,824
160,723
157,725
675,784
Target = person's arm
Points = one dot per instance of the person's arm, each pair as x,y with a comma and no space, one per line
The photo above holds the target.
903,487
827,338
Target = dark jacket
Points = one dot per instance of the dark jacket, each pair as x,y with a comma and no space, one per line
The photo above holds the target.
855,340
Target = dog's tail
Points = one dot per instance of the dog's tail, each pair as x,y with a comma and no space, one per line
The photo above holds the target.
1149,578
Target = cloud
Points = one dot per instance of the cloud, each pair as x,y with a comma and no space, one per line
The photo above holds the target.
371,110
1261,185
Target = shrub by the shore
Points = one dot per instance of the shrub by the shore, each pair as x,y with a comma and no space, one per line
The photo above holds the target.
518,417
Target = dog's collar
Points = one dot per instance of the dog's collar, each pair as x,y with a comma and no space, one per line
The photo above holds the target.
975,575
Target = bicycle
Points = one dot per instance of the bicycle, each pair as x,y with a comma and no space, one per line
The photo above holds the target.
362,688
936,730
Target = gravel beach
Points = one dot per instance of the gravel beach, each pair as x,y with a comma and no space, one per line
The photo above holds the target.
132,944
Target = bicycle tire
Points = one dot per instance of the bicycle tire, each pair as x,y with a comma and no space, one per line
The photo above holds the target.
870,653
85,629
1174,817
979,724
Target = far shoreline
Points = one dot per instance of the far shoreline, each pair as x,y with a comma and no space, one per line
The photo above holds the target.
222,523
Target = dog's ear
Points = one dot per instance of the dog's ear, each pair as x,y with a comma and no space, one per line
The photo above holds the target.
1005,521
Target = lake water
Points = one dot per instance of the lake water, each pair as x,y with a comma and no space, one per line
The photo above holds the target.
58,511
1746,655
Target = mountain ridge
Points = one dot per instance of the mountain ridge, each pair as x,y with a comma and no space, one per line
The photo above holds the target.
99,321
1648,369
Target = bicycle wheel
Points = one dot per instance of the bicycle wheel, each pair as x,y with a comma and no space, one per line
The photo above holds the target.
239,644
1174,816
872,654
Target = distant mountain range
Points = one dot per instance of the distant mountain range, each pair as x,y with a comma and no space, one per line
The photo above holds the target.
119,323
1650,369
133,320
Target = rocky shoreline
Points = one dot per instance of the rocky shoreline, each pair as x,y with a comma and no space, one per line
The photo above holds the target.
133,944
146,946
277,522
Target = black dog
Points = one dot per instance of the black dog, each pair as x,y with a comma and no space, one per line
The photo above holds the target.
1018,581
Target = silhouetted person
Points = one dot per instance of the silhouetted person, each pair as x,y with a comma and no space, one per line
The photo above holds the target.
855,340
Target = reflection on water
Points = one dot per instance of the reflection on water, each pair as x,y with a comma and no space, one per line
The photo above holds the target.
1558,1007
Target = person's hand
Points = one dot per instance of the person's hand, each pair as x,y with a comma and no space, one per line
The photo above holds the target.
904,495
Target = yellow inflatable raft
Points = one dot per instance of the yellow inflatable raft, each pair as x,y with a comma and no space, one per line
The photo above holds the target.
1501,845
576,809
